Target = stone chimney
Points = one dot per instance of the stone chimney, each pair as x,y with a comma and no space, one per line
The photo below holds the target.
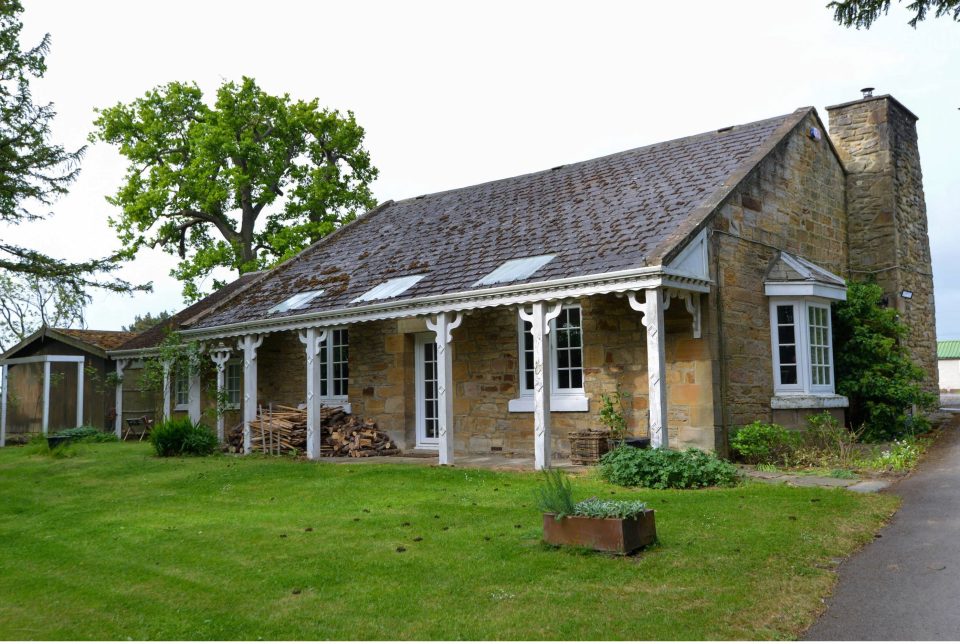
886,214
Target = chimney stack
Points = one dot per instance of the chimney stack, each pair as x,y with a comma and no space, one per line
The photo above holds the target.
886,213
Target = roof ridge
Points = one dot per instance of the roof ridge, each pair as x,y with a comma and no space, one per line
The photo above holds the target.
611,155
667,250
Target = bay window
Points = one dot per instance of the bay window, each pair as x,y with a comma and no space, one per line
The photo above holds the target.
802,345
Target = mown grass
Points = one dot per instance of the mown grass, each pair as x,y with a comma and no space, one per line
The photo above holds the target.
114,543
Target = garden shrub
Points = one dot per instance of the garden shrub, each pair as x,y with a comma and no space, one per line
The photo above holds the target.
606,509
180,436
873,368
766,443
663,468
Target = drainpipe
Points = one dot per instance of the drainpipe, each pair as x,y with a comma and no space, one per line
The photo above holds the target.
721,345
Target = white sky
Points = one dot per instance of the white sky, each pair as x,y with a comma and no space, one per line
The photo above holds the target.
452,94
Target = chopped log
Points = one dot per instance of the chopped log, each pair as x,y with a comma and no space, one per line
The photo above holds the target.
283,429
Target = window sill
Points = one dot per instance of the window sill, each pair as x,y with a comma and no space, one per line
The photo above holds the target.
558,402
182,407
803,400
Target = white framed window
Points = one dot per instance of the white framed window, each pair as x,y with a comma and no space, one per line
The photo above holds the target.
335,365
181,389
233,384
802,344
566,363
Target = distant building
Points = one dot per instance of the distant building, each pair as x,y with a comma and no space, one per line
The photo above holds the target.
948,360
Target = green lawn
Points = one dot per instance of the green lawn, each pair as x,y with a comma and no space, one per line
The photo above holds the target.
115,543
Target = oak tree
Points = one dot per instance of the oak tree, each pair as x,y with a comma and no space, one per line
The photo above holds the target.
243,183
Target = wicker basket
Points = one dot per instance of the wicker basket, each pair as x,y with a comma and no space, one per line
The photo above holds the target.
588,445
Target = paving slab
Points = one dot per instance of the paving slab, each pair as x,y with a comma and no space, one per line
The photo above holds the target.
868,486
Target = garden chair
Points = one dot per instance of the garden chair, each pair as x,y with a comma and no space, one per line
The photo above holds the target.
140,427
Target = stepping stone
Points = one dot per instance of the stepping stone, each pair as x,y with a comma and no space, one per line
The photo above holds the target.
869,486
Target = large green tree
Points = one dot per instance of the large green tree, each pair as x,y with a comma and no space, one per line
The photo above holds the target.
242,184
34,173
873,368
863,13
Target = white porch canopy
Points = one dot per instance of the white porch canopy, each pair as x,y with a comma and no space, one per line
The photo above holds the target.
537,303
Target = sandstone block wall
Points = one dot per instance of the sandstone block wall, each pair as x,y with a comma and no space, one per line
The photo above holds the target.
486,377
793,201
887,217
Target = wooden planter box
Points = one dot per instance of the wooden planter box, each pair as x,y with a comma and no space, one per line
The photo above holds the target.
621,536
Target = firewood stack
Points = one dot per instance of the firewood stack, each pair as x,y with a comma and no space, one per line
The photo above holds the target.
279,429
350,436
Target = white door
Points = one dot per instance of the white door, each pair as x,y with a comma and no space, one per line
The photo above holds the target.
428,421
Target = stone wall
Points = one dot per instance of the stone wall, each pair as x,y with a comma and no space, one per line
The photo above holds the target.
486,377
887,214
793,201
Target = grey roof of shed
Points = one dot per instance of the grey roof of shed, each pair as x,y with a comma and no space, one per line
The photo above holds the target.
623,211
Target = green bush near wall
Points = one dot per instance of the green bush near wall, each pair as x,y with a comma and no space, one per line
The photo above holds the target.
180,436
662,468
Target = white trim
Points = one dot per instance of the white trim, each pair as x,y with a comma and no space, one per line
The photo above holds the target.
45,419
693,259
179,374
443,325
801,326
120,365
514,295
421,340
233,362
651,311
563,400
540,316
80,375
50,358
805,289
558,403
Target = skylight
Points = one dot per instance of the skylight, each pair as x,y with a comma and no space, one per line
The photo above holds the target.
297,301
515,269
390,288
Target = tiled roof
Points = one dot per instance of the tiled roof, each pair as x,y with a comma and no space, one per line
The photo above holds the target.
948,349
154,335
106,340
789,268
622,211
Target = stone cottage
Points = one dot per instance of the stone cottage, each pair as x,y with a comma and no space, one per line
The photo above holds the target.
696,275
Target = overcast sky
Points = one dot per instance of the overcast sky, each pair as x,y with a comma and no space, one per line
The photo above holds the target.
453,94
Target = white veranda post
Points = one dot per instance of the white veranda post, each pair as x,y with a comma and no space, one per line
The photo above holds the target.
80,366
314,339
118,407
651,310
45,422
249,345
193,390
539,318
165,412
443,325
220,357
